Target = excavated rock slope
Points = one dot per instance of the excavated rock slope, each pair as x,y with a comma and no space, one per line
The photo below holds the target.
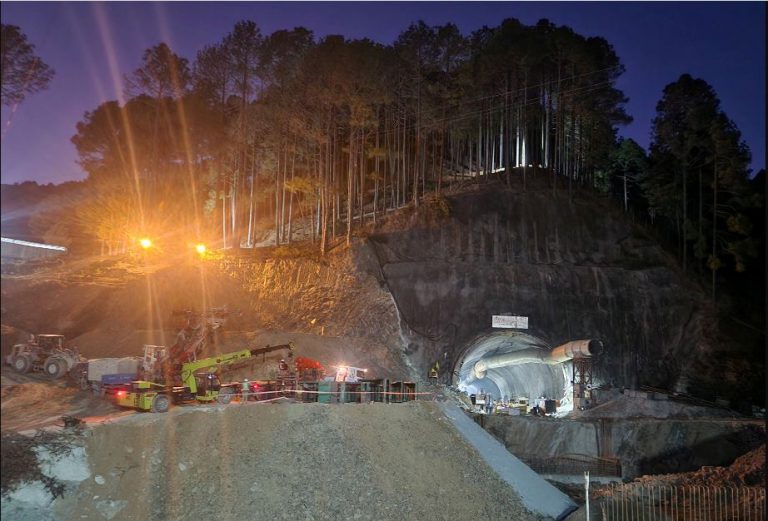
576,268
115,316
287,461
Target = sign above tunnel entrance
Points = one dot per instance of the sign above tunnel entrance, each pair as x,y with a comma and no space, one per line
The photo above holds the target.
510,322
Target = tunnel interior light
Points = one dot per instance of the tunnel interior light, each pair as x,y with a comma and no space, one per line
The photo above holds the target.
200,248
145,243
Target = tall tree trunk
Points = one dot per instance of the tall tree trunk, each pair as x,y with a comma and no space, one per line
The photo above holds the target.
525,131
701,218
292,194
714,235
626,204
277,198
416,165
376,164
251,215
685,216
362,177
350,180
224,218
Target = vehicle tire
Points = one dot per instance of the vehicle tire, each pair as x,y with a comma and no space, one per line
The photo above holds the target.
55,368
225,395
22,364
161,403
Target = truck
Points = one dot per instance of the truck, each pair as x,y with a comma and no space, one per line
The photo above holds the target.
197,382
46,353
288,380
345,373
107,375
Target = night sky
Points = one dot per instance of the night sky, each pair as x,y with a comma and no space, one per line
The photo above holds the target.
92,45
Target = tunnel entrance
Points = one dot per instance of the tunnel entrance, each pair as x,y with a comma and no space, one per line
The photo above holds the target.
528,378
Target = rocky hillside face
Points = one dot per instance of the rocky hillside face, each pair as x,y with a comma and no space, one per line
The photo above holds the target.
112,307
578,269
425,283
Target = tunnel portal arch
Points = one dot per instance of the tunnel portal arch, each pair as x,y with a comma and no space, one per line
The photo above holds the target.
524,380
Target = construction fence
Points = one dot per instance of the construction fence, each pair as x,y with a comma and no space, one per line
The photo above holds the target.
639,502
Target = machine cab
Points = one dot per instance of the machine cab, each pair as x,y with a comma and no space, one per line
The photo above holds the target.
207,383
52,342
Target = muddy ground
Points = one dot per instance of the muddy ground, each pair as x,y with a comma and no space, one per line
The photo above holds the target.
29,402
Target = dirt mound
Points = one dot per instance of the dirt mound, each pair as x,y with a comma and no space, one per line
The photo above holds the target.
287,461
747,470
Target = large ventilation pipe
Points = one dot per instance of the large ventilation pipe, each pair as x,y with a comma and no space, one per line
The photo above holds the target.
557,355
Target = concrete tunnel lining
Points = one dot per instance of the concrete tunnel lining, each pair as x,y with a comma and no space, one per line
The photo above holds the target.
530,380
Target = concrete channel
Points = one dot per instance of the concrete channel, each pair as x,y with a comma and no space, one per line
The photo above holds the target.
536,493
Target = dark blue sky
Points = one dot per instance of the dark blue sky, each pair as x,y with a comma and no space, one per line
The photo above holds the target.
720,42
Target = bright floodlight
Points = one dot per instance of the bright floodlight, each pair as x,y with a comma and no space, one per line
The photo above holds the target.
145,243
200,248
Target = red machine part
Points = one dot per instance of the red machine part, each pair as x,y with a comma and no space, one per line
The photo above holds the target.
309,369
307,363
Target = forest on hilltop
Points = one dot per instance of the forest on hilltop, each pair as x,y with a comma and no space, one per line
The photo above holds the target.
263,131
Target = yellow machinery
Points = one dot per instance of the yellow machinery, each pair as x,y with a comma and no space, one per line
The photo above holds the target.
199,383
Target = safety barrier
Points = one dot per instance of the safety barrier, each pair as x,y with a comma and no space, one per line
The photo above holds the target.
636,502
341,392
351,396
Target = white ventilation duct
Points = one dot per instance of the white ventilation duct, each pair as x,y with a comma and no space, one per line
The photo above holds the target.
558,355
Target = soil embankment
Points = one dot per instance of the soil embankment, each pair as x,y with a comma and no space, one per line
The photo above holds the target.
286,461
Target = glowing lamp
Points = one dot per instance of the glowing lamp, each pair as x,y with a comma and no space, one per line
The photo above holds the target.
200,248
145,243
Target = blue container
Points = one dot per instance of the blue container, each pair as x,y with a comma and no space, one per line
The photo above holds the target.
117,379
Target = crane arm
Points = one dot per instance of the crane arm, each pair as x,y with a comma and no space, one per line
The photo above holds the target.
188,370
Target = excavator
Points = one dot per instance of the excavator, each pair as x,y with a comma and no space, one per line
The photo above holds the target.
198,382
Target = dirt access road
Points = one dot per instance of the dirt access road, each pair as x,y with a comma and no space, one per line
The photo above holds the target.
29,402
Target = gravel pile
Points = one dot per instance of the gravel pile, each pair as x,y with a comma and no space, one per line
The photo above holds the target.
288,461
747,470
